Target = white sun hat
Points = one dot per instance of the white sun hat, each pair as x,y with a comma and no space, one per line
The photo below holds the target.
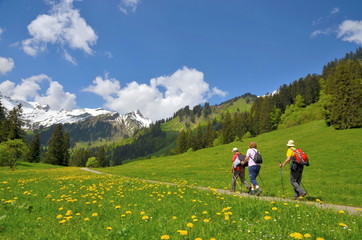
290,143
234,149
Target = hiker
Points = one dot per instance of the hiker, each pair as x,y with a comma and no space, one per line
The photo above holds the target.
237,171
296,171
254,168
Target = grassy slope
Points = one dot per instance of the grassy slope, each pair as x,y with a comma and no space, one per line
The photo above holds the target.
332,177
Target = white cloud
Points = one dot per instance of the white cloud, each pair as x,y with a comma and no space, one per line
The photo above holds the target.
127,6
160,98
64,26
56,98
335,10
6,65
351,31
28,90
69,57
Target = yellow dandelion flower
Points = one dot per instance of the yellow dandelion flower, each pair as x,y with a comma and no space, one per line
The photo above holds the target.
69,212
128,212
296,235
267,217
212,238
62,221
117,207
60,209
198,238
266,212
145,217
78,214
319,238
109,228
165,237
174,217
296,205
226,217
307,235
95,214
142,213
182,232
206,220
341,211
285,204
342,224
59,216
204,212
193,216
195,219
39,218
274,208
190,225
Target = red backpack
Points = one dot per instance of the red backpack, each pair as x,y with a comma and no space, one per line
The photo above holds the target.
300,157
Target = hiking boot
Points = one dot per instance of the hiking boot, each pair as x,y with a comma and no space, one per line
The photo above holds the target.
252,192
248,189
302,195
258,191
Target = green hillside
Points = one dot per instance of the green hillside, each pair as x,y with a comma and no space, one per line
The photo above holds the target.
332,177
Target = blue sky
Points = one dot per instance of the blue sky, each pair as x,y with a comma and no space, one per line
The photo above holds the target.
158,56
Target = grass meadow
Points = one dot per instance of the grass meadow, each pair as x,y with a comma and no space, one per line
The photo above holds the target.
333,177
67,203
39,201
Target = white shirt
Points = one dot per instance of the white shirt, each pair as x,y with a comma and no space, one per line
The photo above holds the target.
251,153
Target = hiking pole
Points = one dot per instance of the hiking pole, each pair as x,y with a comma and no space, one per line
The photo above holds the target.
281,177
261,180
306,191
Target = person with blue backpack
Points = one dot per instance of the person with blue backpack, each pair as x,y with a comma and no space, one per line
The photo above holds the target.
296,168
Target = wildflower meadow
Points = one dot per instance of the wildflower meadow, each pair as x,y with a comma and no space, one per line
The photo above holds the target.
68,203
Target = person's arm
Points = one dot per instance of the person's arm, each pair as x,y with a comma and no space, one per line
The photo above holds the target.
245,160
287,160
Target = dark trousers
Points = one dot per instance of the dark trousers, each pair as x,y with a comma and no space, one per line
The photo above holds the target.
296,179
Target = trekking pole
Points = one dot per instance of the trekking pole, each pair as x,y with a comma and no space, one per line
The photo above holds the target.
281,177
261,180
306,191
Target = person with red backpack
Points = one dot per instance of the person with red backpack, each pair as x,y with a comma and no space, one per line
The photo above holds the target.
296,168
237,171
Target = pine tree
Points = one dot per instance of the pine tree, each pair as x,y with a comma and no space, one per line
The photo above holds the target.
55,154
101,157
346,88
228,133
181,143
15,124
34,149
66,147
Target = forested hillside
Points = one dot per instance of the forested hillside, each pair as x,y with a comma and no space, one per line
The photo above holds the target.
335,95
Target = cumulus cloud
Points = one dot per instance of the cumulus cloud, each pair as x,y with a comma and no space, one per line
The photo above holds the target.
29,88
160,98
127,6
63,26
351,31
6,65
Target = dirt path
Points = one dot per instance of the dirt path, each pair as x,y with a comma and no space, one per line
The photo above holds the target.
353,210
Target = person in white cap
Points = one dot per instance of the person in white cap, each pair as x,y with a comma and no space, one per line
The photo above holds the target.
296,171
237,171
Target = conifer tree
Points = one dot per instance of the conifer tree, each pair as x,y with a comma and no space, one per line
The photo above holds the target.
34,149
346,88
101,157
181,143
228,133
55,154
15,123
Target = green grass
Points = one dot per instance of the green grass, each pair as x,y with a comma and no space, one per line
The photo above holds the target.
67,203
334,174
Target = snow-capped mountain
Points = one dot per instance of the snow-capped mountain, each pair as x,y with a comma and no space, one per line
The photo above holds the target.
38,116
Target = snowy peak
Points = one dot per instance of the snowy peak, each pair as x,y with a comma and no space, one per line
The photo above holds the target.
39,116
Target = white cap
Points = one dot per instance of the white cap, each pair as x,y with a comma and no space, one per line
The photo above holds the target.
290,143
235,149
